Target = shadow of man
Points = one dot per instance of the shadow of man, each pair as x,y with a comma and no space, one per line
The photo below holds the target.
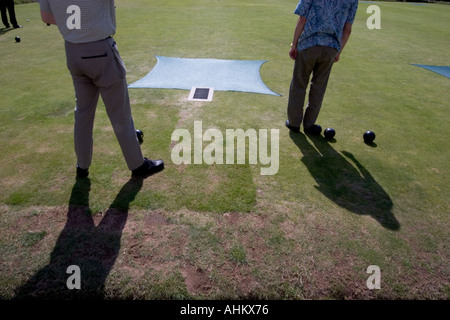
5,30
349,185
93,249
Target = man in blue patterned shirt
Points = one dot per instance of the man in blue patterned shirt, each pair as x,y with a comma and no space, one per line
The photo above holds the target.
321,33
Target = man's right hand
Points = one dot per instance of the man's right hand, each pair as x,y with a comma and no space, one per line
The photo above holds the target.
293,53
337,57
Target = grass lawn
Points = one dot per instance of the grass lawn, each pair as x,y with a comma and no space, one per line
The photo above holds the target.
225,231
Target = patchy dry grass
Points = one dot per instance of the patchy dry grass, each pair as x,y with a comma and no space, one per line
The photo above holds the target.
200,255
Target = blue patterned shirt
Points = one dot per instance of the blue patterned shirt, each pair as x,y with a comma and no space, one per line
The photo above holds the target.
325,21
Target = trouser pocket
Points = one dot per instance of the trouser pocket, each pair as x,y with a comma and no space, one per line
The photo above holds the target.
96,56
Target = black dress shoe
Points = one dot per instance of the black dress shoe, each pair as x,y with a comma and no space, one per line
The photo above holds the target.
82,173
17,27
314,130
292,128
148,168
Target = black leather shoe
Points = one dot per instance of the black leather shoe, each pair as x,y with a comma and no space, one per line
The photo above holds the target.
314,130
148,168
292,128
17,27
82,173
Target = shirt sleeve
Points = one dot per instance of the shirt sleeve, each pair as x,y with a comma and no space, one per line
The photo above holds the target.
352,13
45,6
303,8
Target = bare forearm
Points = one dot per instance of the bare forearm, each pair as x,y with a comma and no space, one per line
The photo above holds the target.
346,35
297,33
298,29
48,17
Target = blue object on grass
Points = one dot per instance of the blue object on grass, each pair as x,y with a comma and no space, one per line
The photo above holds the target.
442,70
222,75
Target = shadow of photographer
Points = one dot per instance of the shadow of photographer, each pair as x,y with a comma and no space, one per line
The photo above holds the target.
94,249
349,185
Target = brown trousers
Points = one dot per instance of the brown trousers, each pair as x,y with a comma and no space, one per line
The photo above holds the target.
317,60
97,69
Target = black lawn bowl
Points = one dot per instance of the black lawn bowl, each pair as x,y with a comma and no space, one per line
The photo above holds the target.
17,39
329,133
369,136
314,130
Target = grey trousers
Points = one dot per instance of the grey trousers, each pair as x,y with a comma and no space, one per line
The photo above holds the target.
317,60
97,69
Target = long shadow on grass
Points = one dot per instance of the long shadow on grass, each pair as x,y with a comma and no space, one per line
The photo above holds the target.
5,30
349,185
94,249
